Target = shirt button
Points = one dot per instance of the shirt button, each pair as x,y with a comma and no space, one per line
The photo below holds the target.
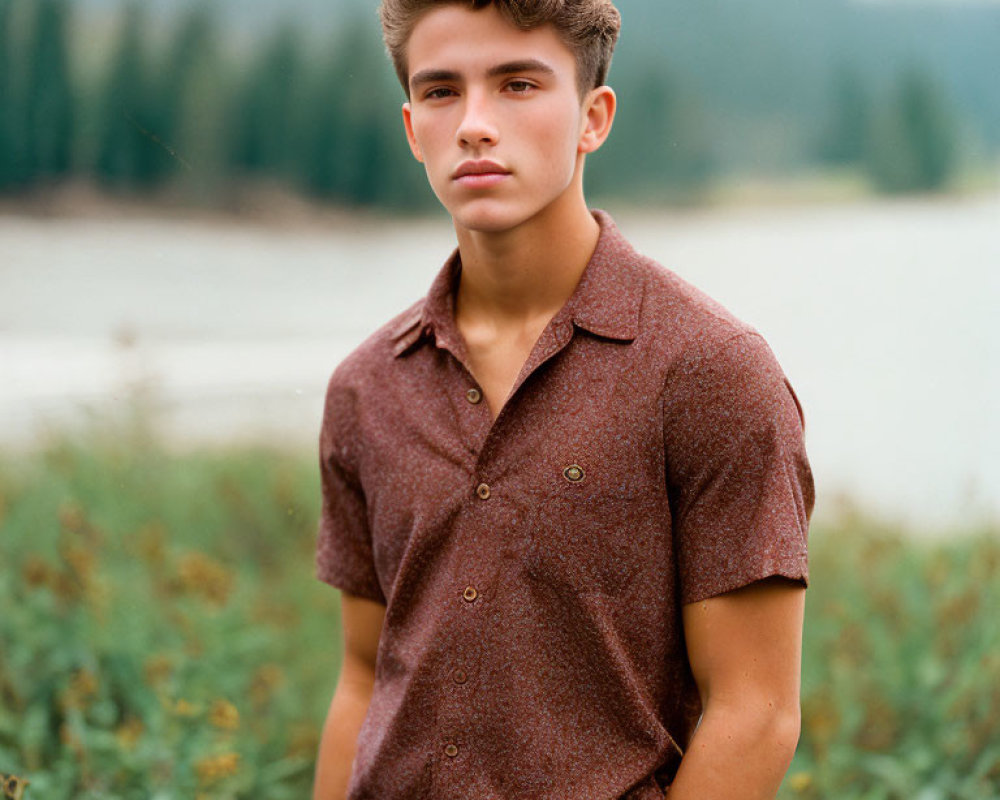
474,396
483,491
450,750
470,594
573,473
459,676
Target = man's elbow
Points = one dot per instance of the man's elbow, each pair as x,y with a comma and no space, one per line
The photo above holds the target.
778,725
785,725
770,728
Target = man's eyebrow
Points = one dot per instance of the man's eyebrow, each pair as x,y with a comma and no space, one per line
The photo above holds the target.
507,68
433,76
513,67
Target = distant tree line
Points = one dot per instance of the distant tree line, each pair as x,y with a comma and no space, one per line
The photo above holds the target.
192,113
189,111
905,141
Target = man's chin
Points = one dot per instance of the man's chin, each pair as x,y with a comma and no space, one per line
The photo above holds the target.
489,218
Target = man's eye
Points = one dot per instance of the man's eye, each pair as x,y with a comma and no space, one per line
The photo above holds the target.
520,87
436,94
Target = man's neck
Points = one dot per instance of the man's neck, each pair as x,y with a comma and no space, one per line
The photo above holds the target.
521,276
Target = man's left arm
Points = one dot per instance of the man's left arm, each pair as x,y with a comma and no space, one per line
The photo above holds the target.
745,651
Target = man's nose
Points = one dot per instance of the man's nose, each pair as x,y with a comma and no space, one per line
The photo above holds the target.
477,125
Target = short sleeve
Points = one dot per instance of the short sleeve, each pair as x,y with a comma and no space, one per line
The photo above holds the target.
740,486
344,556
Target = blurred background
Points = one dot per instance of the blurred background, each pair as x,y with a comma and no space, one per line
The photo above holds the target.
205,205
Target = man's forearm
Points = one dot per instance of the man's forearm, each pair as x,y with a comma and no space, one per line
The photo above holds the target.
738,754
339,741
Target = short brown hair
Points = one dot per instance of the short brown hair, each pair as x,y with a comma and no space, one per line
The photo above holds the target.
588,27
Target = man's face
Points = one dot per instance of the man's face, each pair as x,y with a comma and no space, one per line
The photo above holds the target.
494,115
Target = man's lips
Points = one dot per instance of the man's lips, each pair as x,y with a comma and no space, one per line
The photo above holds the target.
480,173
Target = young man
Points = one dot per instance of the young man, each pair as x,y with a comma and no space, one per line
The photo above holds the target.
565,496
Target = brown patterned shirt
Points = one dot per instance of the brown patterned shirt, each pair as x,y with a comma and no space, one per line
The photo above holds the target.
534,567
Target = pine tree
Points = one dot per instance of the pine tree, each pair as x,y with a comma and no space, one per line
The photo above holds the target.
931,130
322,132
131,151
9,111
850,122
913,143
658,148
265,128
191,108
354,149
48,94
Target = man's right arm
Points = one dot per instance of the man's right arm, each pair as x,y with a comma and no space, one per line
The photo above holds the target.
362,626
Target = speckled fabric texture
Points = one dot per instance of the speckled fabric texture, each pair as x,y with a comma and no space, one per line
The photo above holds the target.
534,567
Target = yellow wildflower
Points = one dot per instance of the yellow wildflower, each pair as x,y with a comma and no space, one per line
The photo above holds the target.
156,669
65,587
81,690
85,683
151,545
13,786
72,517
36,571
958,610
821,718
183,708
265,680
800,781
128,733
199,574
214,768
224,715
79,560
303,740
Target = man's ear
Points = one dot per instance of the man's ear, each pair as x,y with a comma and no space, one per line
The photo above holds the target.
598,115
408,124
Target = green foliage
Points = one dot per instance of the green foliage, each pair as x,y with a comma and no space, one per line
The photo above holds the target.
914,141
163,635
9,111
191,105
901,680
704,91
847,132
264,135
908,143
659,148
48,111
130,151
162,631
354,135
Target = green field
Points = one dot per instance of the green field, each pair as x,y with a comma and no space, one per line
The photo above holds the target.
162,635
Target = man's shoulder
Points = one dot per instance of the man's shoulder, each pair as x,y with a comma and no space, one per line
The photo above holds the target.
681,317
702,348
372,358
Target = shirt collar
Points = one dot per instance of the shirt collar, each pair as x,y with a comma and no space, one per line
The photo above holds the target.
606,302
608,299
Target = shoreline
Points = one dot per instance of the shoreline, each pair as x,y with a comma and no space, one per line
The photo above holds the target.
272,205
881,315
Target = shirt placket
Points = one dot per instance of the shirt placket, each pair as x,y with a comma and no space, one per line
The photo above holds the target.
473,597
468,596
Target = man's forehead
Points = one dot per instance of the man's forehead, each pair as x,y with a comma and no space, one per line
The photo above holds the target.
459,39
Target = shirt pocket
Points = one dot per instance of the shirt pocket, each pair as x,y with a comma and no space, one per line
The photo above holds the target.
579,529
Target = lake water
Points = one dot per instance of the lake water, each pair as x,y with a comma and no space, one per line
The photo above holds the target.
883,315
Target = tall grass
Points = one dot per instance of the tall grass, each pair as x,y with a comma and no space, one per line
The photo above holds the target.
901,673
162,635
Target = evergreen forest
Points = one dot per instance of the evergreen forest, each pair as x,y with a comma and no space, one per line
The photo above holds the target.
205,97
